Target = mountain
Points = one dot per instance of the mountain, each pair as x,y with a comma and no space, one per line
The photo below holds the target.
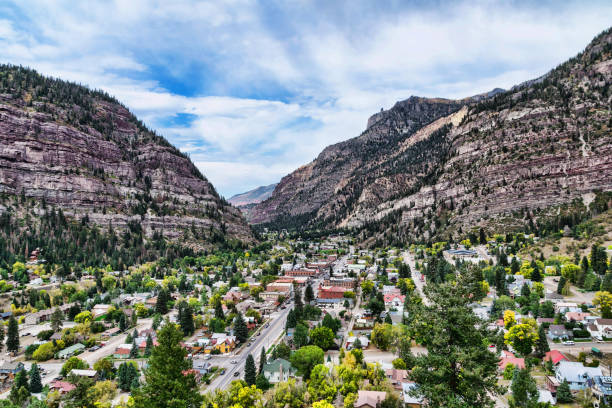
67,149
535,155
254,196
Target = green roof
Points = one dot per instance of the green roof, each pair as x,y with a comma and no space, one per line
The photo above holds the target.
71,349
274,366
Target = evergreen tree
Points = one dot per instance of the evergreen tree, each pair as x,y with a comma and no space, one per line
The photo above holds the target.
291,320
134,350
606,284
219,311
35,381
240,329
1,337
12,336
149,346
388,318
309,294
21,380
122,322
250,375
542,345
57,318
261,382
262,360
524,389
564,394
161,306
536,276
561,284
185,318
459,369
165,384
482,237
525,291
299,306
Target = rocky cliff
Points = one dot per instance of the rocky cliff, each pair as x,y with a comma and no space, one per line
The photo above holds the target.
434,167
81,151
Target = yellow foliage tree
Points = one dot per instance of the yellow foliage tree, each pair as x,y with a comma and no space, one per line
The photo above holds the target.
509,319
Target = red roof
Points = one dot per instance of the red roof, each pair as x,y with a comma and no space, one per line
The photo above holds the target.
390,296
555,356
517,362
62,386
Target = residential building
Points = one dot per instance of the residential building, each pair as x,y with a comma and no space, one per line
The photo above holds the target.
369,399
602,389
577,375
278,370
558,331
410,401
555,356
70,351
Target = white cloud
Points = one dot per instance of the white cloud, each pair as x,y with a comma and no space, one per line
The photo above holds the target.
276,82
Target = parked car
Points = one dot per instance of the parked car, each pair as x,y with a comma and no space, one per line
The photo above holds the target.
568,343
237,373
249,344
233,361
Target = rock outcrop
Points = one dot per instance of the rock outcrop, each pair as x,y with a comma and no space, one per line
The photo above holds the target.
84,153
434,167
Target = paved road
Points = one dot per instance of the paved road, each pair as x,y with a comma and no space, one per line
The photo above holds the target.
267,337
416,276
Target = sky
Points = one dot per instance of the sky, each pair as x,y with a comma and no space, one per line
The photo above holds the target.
253,90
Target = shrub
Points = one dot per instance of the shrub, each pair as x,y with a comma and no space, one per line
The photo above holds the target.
44,352
45,335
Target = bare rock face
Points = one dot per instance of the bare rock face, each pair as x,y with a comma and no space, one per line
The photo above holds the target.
83,152
434,167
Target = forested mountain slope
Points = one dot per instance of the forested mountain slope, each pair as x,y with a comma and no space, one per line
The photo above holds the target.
431,167
64,147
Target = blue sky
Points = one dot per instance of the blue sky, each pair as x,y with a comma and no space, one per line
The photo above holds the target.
253,90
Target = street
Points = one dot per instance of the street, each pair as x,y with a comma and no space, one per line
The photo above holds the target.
416,276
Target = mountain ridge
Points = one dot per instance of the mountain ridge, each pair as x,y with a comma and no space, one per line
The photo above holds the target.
541,144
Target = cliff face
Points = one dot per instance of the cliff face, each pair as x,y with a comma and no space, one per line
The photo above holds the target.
83,152
436,167
254,196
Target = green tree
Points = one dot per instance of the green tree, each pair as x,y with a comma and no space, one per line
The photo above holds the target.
250,375
564,394
57,318
165,384
262,360
321,385
35,381
322,337
522,337
606,283
185,318
73,363
524,389
300,335
305,358
161,306
262,382
149,346
308,294
240,328
1,337
458,370
12,336
561,284
134,349
333,324
542,344
122,322
291,320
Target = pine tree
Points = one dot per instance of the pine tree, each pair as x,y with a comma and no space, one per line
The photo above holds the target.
561,284
21,380
542,345
35,381
134,350
122,322
219,311
606,284
291,320
240,329
309,294
1,337
185,319
250,375
57,318
262,360
165,384
299,306
524,389
161,306
388,318
564,394
149,346
12,337
536,276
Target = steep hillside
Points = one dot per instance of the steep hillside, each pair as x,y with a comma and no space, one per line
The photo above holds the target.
254,196
436,168
80,151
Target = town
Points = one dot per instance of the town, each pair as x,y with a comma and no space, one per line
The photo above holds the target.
301,322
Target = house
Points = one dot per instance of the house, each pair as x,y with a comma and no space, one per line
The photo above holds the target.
545,396
602,389
548,320
278,370
202,366
509,358
397,377
93,374
63,387
369,399
70,351
410,401
330,294
348,283
223,342
564,307
555,356
122,351
577,375
394,300
558,331
10,368
365,342
604,327
100,310
554,297
576,316
113,331
6,315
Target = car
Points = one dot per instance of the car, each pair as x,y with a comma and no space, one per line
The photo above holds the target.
207,357
568,343
233,361
599,340
258,333
491,345
222,371
237,373
267,325
249,344
94,348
